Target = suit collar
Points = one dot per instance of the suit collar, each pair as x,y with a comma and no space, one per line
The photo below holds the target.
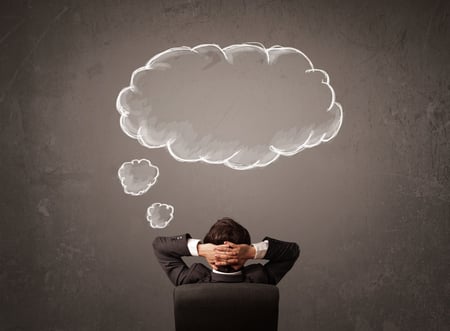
227,273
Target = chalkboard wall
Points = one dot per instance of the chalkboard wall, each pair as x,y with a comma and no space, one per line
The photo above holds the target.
370,209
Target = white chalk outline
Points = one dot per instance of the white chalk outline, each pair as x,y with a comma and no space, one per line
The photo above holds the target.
150,184
226,161
149,214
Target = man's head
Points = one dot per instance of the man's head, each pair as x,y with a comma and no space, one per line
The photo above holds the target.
226,229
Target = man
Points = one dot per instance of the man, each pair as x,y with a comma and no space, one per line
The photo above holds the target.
226,248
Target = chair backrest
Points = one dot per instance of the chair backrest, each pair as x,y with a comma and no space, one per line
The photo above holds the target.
226,306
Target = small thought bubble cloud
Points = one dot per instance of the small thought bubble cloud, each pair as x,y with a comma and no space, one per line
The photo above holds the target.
137,176
159,215
242,106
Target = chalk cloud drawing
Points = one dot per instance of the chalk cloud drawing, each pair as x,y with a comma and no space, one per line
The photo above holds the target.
137,176
159,215
242,106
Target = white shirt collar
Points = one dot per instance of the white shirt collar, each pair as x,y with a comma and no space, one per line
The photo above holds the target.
227,273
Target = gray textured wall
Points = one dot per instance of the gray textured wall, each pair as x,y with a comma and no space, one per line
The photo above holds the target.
370,209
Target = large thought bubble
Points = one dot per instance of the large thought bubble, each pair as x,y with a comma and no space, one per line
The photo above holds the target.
242,106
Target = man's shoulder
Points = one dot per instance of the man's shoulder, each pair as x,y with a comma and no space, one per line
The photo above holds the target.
200,267
253,267
198,272
255,273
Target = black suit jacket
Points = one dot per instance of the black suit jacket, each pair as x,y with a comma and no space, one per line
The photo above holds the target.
170,250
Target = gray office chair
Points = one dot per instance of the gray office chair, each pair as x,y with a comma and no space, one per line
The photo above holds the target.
226,306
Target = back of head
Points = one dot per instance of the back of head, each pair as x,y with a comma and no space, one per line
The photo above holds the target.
226,229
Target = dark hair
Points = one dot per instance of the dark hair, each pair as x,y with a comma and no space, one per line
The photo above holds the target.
226,229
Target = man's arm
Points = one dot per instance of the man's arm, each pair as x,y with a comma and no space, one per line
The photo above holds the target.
281,255
169,252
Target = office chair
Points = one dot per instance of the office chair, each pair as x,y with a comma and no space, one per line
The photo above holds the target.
226,306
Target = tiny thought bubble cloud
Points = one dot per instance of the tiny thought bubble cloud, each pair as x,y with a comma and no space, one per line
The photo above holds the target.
242,106
137,176
159,215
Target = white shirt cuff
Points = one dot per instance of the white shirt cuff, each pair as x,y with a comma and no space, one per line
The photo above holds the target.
261,249
192,246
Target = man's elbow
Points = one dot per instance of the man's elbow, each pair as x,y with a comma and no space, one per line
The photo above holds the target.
157,243
296,251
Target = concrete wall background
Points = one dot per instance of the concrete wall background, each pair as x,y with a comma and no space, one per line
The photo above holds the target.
370,209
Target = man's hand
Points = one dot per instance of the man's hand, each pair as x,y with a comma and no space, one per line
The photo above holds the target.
208,252
234,255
